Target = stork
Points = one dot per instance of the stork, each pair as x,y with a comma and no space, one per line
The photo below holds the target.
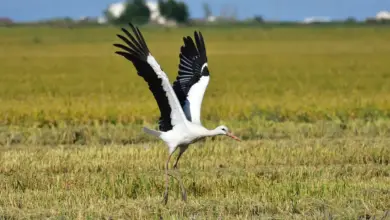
179,104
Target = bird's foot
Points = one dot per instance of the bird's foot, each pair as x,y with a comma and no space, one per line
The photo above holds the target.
165,199
184,195
183,191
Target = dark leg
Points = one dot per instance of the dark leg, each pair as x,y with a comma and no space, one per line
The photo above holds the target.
183,190
165,200
182,149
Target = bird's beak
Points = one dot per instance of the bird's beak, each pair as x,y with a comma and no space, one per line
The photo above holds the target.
232,136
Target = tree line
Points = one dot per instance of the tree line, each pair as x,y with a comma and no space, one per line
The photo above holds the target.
136,11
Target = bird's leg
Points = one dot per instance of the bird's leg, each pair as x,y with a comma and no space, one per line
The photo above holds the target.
183,190
178,158
165,200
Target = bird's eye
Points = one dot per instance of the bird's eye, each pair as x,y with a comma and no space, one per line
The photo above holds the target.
223,129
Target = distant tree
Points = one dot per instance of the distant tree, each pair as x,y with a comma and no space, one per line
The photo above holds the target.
350,20
165,8
371,21
171,9
136,11
181,13
259,19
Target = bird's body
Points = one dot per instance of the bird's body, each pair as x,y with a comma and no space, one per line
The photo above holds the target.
183,134
179,104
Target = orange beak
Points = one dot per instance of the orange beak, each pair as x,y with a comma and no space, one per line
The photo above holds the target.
232,136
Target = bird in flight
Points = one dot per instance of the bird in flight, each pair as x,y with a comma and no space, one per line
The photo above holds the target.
179,104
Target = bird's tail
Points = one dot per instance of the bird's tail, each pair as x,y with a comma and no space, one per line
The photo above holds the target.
152,132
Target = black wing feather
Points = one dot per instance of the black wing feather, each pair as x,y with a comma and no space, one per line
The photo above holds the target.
134,45
192,58
137,52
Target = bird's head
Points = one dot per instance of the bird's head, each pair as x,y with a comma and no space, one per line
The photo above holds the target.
223,130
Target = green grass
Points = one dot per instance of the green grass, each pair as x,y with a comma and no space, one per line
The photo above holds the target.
312,106
74,75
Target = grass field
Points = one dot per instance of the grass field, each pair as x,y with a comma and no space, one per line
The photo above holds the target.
311,104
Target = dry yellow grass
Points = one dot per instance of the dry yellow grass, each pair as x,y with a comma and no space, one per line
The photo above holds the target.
282,179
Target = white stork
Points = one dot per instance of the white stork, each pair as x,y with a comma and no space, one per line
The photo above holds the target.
180,104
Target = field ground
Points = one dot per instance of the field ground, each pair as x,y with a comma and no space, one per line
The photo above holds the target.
312,106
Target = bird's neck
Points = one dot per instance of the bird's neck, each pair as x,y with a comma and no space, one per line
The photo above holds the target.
211,133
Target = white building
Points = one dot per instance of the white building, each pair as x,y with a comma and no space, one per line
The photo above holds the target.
310,20
102,20
383,15
116,10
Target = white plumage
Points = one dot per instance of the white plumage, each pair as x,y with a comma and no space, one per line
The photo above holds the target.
180,104
177,114
195,98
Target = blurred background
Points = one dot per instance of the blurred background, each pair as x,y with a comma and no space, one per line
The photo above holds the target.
213,11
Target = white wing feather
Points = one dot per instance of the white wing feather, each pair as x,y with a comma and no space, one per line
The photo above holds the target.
177,114
195,98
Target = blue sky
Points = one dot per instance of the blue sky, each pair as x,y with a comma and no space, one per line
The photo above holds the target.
30,10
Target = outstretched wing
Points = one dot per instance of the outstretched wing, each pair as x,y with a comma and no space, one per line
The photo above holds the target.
147,67
193,78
